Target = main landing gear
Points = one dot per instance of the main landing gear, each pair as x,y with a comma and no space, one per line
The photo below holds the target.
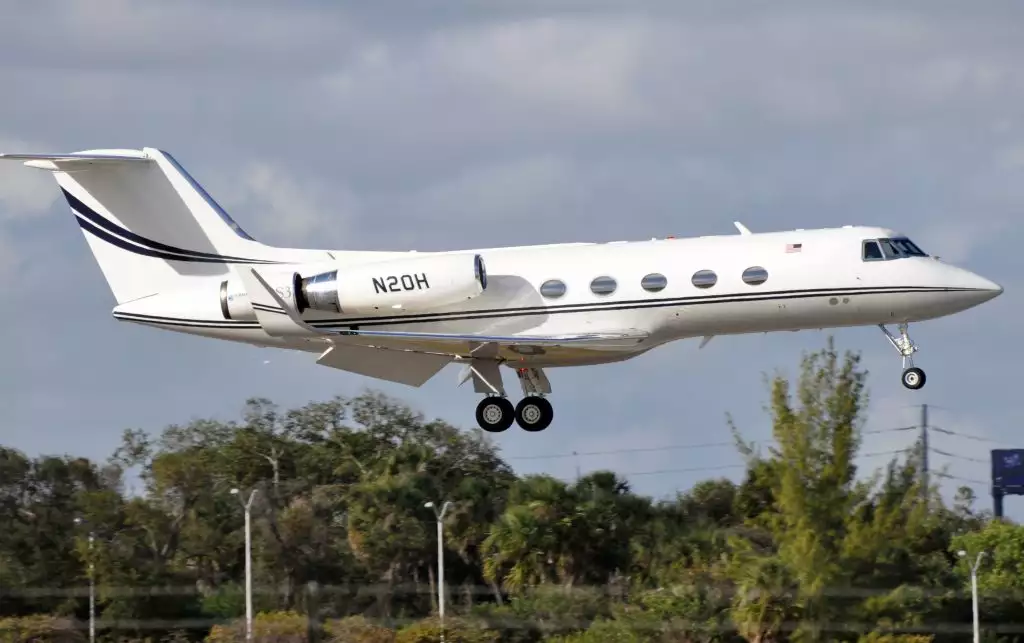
913,377
495,412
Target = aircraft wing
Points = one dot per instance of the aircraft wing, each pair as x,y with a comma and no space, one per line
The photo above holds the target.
414,357
610,340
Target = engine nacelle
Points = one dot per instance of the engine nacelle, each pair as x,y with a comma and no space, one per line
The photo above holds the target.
415,284
234,301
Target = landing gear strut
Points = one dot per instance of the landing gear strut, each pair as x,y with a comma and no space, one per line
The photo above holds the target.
913,377
534,412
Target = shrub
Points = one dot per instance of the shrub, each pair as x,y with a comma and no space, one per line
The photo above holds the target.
455,631
40,628
267,627
356,629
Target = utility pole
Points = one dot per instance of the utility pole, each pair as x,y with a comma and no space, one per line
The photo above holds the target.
246,506
924,451
440,559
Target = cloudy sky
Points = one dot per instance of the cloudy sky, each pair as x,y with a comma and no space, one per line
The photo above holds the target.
441,125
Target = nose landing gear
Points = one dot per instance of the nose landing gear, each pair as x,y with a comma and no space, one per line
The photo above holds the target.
913,377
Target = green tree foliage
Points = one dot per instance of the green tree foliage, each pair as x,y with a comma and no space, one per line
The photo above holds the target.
802,547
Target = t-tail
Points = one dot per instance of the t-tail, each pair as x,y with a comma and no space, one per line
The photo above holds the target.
151,226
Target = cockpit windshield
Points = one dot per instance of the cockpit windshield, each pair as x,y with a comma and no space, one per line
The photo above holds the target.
888,249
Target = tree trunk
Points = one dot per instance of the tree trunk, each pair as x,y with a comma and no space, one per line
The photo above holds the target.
497,592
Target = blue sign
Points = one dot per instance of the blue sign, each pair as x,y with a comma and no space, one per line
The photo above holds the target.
1008,470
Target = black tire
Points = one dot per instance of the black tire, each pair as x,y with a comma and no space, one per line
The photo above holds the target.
495,414
534,413
913,378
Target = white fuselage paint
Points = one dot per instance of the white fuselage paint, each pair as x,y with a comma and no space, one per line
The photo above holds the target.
826,284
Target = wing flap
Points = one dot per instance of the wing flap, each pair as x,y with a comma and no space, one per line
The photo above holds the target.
610,340
404,367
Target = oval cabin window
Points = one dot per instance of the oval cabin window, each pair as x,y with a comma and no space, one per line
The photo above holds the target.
602,286
654,282
755,276
552,288
704,278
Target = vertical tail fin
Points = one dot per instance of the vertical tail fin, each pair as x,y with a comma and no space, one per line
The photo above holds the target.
147,222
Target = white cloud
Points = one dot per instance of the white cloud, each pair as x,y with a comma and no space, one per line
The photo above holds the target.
281,208
24,192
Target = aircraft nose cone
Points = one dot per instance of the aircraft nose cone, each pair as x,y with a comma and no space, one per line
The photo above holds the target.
986,288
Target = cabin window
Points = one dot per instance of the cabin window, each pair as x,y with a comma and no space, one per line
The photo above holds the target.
602,286
704,278
654,282
755,276
872,252
552,288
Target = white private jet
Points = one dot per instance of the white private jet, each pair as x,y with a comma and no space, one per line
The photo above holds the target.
175,260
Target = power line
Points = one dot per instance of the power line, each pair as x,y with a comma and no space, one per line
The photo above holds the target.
878,453
969,436
736,466
962,479
665,447
893,430
686,470
956,455
668,447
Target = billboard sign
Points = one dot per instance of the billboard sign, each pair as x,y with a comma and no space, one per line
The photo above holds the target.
1008,470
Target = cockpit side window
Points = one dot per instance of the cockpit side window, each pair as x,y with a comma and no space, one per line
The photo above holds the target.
888,249
871,251
908,247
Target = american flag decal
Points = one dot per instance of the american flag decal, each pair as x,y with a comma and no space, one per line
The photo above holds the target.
794,247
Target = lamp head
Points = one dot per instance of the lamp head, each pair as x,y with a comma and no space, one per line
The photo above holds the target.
429,504
961,553
234,492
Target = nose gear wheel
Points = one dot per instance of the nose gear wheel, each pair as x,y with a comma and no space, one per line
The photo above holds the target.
913,377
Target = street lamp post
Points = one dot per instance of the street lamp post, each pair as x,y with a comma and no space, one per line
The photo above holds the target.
440,559
92,586
974,591
246,506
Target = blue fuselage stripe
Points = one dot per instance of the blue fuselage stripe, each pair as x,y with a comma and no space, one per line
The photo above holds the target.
539,310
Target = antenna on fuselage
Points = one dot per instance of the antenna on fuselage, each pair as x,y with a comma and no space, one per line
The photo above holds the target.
742,228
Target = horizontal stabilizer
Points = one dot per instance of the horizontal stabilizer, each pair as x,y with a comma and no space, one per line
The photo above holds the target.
49,161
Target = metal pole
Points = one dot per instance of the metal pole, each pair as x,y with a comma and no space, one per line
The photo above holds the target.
974,598
248,571
92,592
440,560
246,506
440,573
